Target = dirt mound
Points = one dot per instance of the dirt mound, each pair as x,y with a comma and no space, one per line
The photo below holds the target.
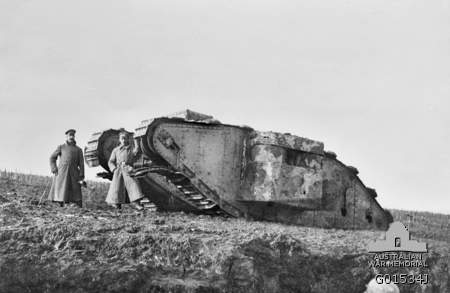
47,248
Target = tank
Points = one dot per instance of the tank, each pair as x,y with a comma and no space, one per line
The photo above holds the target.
191,162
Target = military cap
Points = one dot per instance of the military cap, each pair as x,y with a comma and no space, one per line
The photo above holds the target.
123,132
70,130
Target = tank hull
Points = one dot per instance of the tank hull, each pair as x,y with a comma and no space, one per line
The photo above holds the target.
200,165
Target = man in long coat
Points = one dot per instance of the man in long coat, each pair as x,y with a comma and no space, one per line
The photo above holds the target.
69,174
123,187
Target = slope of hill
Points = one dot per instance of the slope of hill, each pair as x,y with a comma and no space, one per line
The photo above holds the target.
45,248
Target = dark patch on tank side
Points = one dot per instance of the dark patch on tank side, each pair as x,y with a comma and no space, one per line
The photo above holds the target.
331,199
276,151
254,177
290,186
260,175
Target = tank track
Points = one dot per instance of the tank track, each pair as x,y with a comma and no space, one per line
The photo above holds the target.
187,192
195,183
148,205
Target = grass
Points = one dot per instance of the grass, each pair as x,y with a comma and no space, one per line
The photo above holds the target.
425,224
422,224
36,187
96,249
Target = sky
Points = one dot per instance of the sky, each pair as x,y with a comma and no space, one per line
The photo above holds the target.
369,78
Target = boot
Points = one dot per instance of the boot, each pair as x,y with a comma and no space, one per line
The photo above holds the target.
116,206
137,206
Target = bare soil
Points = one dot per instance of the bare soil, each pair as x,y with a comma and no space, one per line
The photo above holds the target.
46,248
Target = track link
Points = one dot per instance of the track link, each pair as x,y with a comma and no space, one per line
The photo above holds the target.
191,194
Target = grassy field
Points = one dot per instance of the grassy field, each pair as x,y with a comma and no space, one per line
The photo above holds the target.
421,224
35,187
425,224
46,248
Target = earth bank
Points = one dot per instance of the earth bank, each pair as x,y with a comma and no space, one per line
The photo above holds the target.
45,248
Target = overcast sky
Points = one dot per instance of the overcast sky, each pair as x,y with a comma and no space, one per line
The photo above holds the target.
369,78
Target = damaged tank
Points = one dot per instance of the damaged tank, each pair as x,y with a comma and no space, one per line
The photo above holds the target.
191,162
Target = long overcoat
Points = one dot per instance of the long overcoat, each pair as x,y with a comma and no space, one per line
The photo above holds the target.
65,185
123,187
